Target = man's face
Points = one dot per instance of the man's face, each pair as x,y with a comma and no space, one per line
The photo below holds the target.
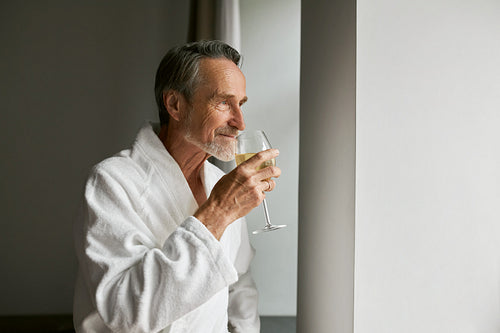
215,116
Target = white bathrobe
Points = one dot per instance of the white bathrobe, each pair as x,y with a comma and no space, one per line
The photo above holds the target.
145,263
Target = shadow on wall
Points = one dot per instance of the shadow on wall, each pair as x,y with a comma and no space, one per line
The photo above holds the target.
37,324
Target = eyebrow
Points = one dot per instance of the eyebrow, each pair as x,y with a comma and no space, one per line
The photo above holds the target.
218,94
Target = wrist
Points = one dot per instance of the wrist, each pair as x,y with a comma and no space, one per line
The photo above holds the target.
213,219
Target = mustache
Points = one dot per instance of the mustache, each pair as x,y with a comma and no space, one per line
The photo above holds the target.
227,130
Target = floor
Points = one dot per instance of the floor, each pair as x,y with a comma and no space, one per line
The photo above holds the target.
64,324
277,324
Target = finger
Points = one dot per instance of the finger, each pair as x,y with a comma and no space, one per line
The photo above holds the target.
270,185
255,161
268,172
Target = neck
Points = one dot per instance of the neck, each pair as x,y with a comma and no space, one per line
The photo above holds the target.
189,157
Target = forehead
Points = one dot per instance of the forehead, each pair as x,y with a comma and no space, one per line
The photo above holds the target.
221,74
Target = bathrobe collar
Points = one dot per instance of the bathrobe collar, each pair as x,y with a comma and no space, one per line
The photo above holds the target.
150,144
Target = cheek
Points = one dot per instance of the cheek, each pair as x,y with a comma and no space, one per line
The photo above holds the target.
208,124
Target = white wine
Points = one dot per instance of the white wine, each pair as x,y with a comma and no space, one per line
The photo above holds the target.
240,158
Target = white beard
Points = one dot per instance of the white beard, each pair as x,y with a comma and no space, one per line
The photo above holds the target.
224,151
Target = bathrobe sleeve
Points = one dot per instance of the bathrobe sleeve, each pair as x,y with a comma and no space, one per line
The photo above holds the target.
243,295
138,285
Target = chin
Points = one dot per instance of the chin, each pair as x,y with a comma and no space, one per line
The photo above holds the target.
221,149
221,152
223,155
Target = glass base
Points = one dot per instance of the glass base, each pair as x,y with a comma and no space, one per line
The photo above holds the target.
269,227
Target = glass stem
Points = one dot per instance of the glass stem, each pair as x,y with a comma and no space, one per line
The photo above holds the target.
266,212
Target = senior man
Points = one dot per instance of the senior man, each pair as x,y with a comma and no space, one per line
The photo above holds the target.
161,240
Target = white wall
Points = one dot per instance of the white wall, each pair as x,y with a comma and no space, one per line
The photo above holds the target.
76,83
271,54
428,167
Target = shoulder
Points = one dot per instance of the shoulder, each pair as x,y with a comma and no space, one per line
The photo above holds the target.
121,168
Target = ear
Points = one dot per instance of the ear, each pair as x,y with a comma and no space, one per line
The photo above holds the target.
172,103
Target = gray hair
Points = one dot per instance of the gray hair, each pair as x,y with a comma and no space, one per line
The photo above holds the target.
179,69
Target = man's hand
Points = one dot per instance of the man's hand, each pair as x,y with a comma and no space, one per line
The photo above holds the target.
238,192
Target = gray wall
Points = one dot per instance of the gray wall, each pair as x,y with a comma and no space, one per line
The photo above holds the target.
327,167
76,82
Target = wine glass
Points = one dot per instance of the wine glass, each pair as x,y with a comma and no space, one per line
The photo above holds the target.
248,144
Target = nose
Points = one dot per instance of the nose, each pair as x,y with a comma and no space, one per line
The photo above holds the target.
237,119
